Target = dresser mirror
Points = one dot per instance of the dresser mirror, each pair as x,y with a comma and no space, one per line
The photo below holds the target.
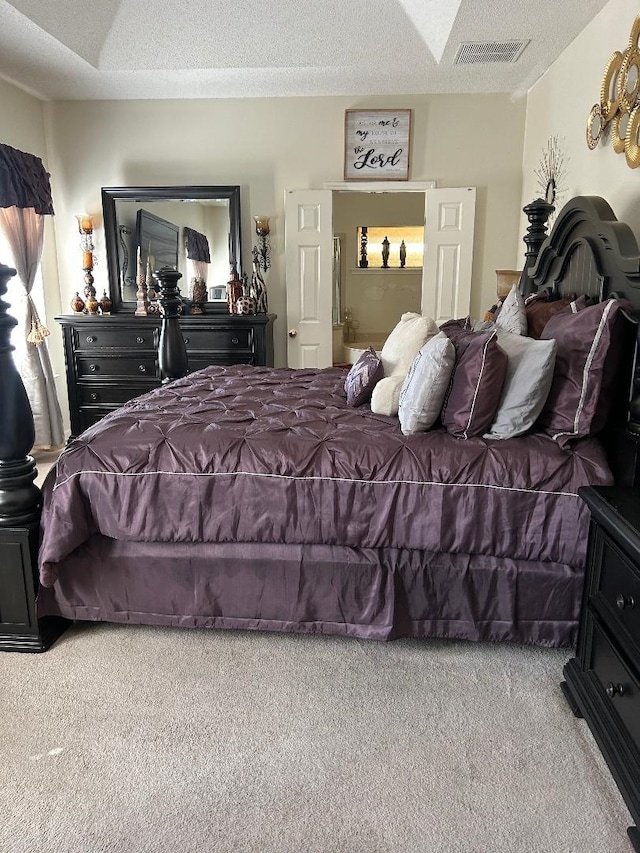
148,223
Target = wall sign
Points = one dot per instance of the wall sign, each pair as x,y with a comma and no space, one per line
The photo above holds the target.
377,145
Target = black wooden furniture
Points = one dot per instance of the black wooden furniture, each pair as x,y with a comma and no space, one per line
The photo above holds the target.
111,359
603,680
20,504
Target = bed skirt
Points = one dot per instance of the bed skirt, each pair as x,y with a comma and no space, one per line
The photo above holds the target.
367,593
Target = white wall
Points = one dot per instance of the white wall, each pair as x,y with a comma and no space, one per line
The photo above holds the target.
267,146
271,145
560,103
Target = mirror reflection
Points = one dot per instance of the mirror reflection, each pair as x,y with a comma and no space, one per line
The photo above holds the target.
195,230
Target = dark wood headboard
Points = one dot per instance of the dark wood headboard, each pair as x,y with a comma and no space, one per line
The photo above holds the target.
590,252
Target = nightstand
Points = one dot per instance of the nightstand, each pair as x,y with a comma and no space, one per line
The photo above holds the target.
603,680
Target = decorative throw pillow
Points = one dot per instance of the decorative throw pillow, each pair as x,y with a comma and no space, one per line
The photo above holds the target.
404,341
540,311
362,378
512,317
476,385
527,384
590,344
424,388
385,399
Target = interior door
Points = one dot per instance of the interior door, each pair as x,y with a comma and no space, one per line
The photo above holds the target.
309,268
448,252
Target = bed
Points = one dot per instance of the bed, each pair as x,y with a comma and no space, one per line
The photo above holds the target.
256,498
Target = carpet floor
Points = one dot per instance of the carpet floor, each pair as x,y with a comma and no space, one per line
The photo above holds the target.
132,739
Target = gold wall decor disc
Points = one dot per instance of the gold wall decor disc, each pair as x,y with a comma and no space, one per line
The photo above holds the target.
595,125
619,126
609,89
634,35
629,80
631,146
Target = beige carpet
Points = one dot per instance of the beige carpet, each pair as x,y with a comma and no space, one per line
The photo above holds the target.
173,740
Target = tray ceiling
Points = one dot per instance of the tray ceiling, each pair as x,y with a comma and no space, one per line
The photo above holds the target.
118,49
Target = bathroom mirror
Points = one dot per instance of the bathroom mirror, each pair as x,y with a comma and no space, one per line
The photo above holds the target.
141,222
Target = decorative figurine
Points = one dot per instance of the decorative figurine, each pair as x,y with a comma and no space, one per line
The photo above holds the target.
403,254
258,288
198,295
385,253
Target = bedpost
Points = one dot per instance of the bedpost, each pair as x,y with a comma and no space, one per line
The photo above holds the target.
538,213
172,351
20,506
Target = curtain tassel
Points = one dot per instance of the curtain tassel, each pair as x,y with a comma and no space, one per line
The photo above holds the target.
38,333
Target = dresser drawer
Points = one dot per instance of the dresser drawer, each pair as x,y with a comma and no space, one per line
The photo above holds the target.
618,682
102,338
619,586
94,394
237,339
104,365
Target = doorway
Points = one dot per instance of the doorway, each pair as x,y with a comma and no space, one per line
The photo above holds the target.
445,285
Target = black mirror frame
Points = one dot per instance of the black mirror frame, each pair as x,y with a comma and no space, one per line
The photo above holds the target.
110,195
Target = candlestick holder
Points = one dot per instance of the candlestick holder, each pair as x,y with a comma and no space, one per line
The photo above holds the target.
85,229
263,247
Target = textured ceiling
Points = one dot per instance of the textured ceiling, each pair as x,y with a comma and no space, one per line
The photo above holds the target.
72,49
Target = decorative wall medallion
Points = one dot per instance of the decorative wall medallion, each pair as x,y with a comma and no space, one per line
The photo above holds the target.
551,172
619,102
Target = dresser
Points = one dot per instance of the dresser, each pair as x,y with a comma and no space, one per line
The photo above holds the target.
112,358
603,680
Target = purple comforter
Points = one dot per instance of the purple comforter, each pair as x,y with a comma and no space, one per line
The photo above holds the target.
263,455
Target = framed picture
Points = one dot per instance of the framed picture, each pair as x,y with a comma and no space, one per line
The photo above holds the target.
377,145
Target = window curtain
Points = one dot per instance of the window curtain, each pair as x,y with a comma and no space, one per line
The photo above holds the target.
25,198
198,253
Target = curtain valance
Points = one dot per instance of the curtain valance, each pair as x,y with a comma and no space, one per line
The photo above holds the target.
24,182
197,246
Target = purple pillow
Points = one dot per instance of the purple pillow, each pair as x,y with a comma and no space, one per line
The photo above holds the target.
590,344
476,385
363,378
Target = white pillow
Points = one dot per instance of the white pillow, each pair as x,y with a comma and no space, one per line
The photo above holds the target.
425,386
527,386
403,343
386,395
512,317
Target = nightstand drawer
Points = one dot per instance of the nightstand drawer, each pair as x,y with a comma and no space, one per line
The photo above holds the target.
94,394
619,684
101,338
102,365
619,586
219,339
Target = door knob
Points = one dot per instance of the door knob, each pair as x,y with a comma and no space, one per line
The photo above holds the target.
293,333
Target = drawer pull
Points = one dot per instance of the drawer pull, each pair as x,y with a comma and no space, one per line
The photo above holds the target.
614,690
625,601
235,341
90,339
142,368
93,367
186,340
94,397
139,339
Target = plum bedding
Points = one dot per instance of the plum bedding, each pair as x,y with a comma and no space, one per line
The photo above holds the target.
256,497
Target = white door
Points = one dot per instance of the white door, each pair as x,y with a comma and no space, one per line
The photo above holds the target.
448,252
308,234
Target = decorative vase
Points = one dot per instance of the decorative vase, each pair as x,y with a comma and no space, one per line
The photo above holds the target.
77,304
92,305
105,303
198,295
234,291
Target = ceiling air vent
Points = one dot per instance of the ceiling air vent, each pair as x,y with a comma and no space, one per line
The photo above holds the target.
474,52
